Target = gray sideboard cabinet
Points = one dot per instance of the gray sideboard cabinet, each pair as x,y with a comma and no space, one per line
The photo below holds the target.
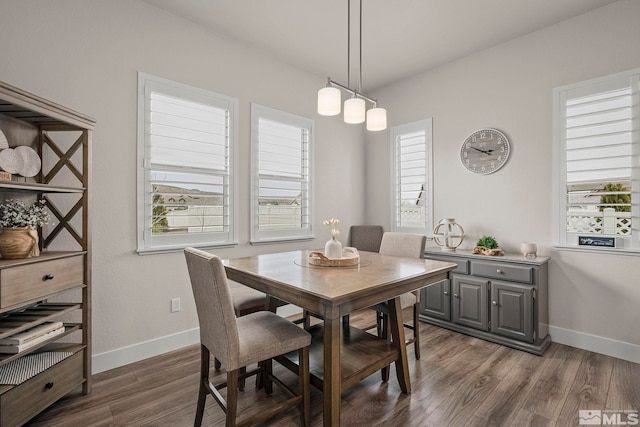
503,299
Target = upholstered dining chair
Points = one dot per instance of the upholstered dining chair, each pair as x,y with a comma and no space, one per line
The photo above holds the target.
366,237
245,301
410,246
238,342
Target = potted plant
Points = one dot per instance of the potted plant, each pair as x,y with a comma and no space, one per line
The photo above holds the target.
19,238
487,245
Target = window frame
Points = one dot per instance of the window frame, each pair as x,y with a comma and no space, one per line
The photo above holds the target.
257,236
425,125
146,242
561,238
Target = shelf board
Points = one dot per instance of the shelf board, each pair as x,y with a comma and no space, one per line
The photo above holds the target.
31,187
43,257
69,328
18,321
361,355
30,108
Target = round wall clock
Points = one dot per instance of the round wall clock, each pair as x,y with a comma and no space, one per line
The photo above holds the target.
485,151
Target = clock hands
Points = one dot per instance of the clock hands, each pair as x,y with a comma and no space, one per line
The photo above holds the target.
487,152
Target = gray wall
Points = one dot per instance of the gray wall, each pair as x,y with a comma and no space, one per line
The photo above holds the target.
85,55
594,298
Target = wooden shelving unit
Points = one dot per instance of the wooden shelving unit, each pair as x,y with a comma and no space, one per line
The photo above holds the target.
55,286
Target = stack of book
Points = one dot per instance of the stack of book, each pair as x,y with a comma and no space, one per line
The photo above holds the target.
31,337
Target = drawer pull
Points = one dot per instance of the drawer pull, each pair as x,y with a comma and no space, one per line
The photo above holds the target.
48,386
499,271
47,277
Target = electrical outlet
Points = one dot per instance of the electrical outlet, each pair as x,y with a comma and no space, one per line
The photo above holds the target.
175,305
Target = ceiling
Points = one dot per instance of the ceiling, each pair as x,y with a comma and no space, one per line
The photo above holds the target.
400,38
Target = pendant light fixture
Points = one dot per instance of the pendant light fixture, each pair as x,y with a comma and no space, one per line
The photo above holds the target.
355,109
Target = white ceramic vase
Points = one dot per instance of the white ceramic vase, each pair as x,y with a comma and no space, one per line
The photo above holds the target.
333,249
528,249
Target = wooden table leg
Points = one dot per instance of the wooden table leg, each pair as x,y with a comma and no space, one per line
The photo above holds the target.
332,375
397,335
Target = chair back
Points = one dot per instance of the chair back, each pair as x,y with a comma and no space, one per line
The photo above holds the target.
403,244
366,237
218,328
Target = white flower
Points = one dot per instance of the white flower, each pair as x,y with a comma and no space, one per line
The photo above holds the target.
332,222
15,213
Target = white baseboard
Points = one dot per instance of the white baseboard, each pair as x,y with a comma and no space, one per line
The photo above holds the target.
144,350
134,353
602,345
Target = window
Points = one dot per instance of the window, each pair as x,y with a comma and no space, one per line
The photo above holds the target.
597,171
412,186
185,166
281,171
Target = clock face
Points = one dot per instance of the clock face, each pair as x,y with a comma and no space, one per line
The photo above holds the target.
485,151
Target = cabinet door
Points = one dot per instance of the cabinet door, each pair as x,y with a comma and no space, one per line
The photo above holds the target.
512,310
436,300
470,302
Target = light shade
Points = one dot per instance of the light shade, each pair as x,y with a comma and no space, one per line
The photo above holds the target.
354,110
329,101
377,119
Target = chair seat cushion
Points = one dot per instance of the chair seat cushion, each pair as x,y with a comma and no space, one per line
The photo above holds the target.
245,298
264,335
406,300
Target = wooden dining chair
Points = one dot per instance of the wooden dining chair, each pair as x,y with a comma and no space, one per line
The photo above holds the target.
238,342
410,246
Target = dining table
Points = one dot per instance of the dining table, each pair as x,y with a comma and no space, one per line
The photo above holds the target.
342,355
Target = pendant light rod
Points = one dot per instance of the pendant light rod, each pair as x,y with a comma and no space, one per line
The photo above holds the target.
355,93
349,43
360,54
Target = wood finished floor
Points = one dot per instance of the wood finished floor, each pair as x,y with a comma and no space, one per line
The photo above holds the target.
459,381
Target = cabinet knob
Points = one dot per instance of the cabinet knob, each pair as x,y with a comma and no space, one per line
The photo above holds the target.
446,293
495,303
499,271
47,277
455,295
48,386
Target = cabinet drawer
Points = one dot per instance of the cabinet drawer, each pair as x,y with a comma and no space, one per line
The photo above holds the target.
463,264
23,402
30,282
502,271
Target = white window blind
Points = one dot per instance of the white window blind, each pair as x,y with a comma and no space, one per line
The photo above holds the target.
411,177
185,188
281,199
597,147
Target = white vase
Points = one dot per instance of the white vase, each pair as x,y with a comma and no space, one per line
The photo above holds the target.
528,249
333,249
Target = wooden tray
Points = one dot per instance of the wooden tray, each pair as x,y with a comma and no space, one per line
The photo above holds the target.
350,257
